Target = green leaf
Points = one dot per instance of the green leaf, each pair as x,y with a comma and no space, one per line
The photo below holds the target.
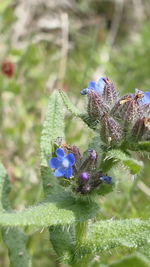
53,126
69,105
50,182
59,209
63,241
60,238
4,188
76,112
115,156
108,234
140,146
132,261
14,238
90,123
145,250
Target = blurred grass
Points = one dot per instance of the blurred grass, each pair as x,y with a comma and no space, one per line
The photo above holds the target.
23,101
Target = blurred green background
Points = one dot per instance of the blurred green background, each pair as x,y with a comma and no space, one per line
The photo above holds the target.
65,44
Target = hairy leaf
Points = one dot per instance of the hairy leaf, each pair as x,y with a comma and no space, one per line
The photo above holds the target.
53,126
63,241
60,209
69,105
108,234
132,261
4,188
140,146
115,156
50,183
14,238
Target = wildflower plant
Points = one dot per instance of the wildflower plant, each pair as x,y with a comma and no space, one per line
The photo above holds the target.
74,181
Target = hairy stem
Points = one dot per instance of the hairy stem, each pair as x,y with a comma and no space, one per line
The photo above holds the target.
81,236
81,232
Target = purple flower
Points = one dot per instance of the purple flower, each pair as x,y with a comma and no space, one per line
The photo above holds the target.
92,154
97,87
62,164
106,179
84,176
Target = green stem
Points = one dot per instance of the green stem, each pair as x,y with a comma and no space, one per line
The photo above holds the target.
81,232
81,236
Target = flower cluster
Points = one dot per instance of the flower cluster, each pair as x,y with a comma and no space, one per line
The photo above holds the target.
125,119
82,172
120,121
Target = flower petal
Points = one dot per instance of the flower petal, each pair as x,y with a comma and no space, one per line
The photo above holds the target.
100,85
71,158
60,153
92,85
54,163
84,91
106,179
68,172
59,172
145,99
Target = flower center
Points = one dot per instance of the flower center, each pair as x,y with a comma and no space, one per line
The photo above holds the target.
65,163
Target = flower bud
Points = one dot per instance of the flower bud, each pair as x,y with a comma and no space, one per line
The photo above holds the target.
84,176
111,131
93,154
106,179
109,92
126,110
138,129
96,106
146,135
144,110
89,164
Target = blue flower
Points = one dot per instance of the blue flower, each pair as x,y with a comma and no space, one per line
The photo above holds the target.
97,87
62,164
145,99
106,179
